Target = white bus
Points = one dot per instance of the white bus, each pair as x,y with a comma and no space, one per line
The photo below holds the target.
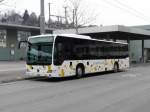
74,55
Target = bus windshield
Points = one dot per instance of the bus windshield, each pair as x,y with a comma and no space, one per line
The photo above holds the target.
40,51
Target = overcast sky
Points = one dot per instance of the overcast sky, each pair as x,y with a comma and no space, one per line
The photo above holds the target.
109,12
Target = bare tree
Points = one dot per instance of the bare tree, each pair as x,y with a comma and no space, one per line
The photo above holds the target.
33,19
11,17
6,3
80,14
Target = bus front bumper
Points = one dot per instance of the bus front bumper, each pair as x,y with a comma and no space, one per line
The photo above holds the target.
35,74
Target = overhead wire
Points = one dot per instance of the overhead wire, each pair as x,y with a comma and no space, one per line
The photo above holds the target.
3,3
131,9
126,10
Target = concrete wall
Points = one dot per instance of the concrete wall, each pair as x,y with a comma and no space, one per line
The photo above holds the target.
135,50
5,54
147,44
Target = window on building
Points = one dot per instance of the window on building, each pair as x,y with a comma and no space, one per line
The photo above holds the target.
23,35
3,35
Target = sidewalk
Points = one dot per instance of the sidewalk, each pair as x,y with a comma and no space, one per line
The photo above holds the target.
139,64
11,71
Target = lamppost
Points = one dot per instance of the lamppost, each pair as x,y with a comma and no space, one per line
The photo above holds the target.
42,18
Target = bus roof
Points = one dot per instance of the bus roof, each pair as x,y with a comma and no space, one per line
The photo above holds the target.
77,36
64,35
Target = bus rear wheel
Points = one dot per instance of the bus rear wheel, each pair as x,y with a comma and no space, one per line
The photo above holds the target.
79,71
116,67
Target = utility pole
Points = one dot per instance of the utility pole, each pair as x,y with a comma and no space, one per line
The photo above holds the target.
49,5
66,15
76,21
42,18
73,17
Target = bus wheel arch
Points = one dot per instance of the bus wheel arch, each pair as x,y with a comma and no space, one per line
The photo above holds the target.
116,67
80,70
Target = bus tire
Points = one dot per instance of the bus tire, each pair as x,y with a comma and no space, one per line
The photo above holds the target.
116,67
80,71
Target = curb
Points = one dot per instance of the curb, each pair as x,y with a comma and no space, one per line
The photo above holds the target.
15,79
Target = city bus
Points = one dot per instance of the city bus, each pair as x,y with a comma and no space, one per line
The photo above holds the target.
66,55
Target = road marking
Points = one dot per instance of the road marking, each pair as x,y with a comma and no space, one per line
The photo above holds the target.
12,69
131,75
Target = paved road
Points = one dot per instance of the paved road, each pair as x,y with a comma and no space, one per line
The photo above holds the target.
120,92
11,70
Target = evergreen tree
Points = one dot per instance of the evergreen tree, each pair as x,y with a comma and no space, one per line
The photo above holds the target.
25,17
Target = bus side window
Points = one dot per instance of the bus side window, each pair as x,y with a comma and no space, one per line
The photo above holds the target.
59,54
59,47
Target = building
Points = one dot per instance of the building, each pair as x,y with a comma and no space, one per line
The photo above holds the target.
10,35
138,38
136,53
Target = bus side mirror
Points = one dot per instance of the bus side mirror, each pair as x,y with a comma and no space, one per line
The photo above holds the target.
21,43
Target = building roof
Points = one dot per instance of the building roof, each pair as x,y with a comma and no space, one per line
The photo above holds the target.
64,35
114,32
15,26
145,27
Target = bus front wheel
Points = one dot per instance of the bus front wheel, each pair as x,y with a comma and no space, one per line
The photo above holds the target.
79,71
